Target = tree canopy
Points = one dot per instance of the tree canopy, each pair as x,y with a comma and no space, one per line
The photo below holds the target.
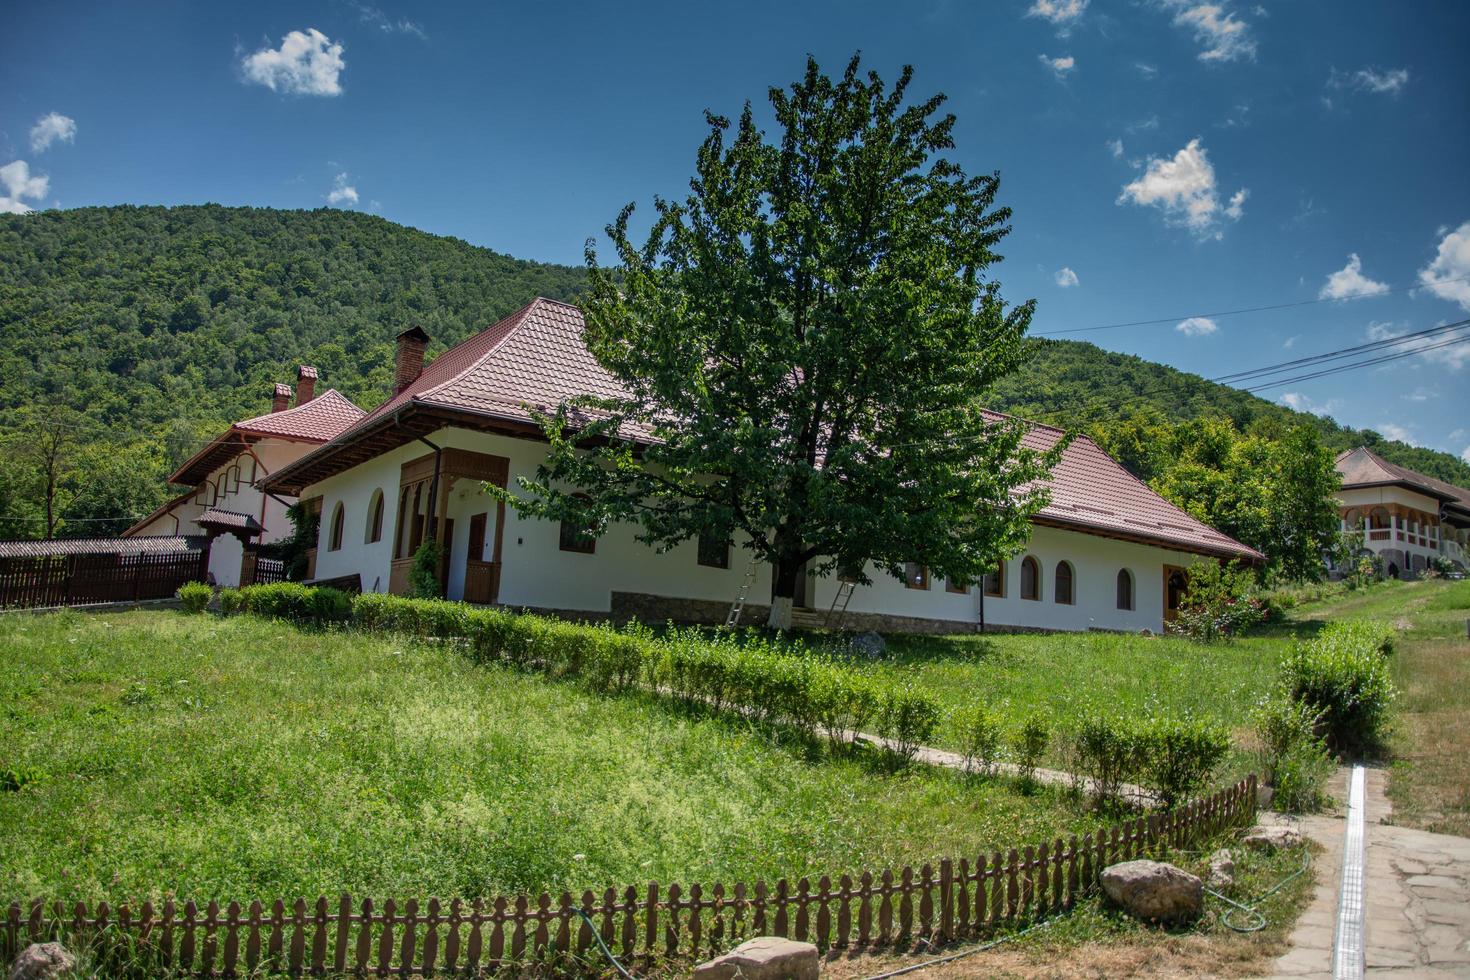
809,337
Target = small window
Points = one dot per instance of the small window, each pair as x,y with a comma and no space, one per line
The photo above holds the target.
375,518
714,551
950,585
995,582
579,539
1062,592
915,576
1030,579
339,517
1125,589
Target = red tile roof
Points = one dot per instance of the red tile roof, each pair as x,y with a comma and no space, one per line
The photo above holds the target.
215,518
320,420
1362,467
147,545
536,358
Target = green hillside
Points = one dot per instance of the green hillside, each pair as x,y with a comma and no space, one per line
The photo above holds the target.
129,334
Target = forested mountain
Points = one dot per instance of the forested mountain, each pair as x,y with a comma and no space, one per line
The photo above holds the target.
130,334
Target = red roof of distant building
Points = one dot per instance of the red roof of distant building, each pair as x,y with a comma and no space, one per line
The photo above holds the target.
320,420
536,359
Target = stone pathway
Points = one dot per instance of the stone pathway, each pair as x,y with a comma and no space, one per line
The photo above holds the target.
1417,897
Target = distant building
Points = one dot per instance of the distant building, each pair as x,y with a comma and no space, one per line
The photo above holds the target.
1107,552
1406,518
224,497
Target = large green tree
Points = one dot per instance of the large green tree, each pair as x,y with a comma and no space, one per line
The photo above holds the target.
807,337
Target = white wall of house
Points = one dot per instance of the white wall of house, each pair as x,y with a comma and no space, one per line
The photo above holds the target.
1405,538
536,572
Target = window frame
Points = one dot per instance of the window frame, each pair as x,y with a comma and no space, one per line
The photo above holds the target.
914,572
953,589
1035,566
1126,575
377,504
587,545
335,529
1071,579
706,541
1000,582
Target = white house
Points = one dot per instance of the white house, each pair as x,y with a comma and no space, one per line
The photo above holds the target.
1106,553
226,499
1406,518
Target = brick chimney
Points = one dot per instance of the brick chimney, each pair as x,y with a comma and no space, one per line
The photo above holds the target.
281,400
305,384
409,363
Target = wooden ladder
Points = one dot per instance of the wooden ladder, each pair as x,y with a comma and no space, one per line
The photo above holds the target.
732,619
845,589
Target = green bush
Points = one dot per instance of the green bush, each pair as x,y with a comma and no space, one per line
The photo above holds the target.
296,602
1368,634
1176,756
195,596
981,735
1105,750
1219,602
1343,677
229,601
907,718
423,574
1028,744
1294,759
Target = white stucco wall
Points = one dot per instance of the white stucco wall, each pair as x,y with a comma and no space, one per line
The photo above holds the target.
535,572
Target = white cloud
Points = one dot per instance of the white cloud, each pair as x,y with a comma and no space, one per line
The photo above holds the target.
1146,70
341,192
50,128
1144,125
1290,342
16,178
306,63
1453,357
374,16
1379,81
1302,403
1060,67
1350,283
1184,188
1062,13
1222,35
1448,276
1065,277
1391,430
1196,326
1420,394
1465,454
1116,148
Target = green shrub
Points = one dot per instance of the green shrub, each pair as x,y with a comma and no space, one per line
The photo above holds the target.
981,735
296,602
1105,750
1345,681
195,596
1219,602
907,719
1028,744
1176,756
423,574
229,601
1368,634
1294,759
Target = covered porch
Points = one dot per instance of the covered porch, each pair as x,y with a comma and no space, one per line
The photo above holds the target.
440,498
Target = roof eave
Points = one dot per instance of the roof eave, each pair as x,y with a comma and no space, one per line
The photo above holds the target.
1240,551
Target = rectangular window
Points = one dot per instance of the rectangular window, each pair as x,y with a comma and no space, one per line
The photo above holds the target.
579,540
915,576
714,552
950,585
995,582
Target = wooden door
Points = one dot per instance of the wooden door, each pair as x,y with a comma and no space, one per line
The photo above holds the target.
481,577
1175,581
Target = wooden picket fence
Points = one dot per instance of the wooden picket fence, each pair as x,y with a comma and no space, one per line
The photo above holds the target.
641,925
80,579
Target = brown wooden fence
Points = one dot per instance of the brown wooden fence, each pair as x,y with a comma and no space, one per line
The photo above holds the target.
951,900
80,579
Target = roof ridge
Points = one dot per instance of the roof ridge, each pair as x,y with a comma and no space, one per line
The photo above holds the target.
294,409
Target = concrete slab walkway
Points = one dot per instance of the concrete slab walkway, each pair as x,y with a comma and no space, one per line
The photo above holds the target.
1417,895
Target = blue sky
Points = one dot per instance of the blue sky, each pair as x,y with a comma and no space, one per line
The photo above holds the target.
1164,158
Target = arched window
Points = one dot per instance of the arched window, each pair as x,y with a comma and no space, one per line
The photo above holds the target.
1125,589
339,517
1030,578
1062,591
1378,519
375,518
995,581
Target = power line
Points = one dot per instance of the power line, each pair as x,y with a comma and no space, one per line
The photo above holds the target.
1345,352
1361,364
1249,309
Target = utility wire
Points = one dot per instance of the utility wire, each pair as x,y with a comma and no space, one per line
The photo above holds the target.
1345,352
1360,364
1248,309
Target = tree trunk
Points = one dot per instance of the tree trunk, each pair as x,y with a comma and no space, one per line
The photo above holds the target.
786,573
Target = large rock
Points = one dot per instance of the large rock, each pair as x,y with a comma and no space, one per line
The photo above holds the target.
42,961
763,958
1271,838
869,645
1154,891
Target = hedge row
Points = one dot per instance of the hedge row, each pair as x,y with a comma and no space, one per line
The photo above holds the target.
1343,676
756,677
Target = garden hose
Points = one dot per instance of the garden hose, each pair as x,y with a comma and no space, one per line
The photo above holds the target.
603,946
955,956
1257,921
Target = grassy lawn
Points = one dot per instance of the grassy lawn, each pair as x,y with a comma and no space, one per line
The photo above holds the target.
238,759
1059,675
1429,782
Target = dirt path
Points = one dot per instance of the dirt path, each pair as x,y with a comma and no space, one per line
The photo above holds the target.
1417,897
